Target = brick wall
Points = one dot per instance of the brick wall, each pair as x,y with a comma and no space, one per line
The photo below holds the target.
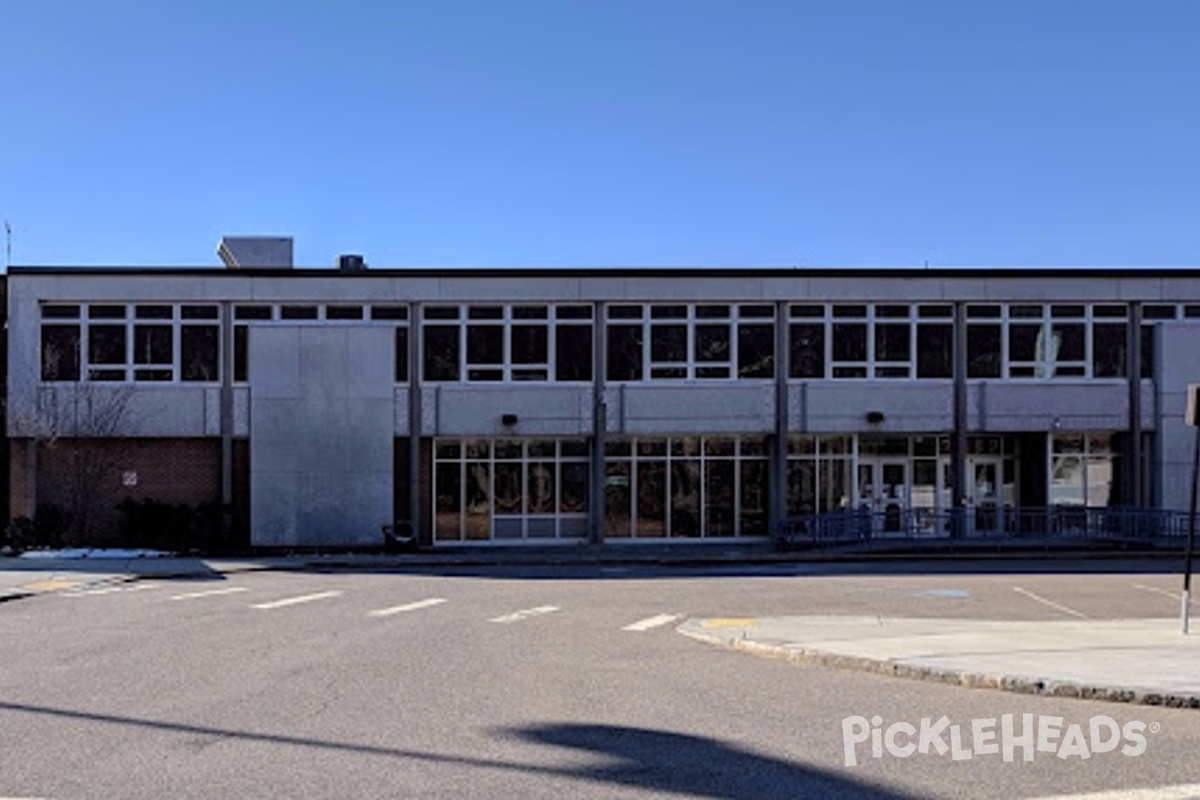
186,471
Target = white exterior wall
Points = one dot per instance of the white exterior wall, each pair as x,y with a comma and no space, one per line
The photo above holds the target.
321,441
1178,351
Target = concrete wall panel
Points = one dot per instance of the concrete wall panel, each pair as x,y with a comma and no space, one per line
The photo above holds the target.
477,411
840,407
692,409
1041,406
321,435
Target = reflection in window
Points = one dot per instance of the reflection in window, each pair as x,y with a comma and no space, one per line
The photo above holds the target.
935,351
807,343
441,353
651,505
624,352
447,501
573,353
685,498
617,499
199,352
60,352
983,351
756,351
1108,350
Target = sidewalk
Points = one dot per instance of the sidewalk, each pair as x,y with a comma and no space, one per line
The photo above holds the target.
1133,661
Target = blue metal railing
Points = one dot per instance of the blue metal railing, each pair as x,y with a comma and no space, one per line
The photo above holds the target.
916,525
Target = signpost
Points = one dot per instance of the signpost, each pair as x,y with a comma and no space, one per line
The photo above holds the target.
1192,419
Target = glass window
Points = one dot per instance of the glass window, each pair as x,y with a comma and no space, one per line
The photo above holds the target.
756,351
983,351
389,312
252,312
343,312
892,342
199,312
935,351
440,312
668,343
106,344
1147,350
441,353
849,342
530,344
448,501
618,498
199,352
806,312
152,344
60,311
106,312
241,352
60,352
1024,342
651,499
807,344
573,493
153,312
401,372
298,312
573,352
1108,350
1067,349
712,343
712,312
685,498
624,352
753,496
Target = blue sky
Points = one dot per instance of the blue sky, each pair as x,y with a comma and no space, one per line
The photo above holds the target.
584,133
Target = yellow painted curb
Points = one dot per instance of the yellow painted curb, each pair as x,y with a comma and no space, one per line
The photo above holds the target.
49,586
731,622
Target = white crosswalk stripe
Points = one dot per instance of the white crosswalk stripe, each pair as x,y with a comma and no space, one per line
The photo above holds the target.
517,616
211,593
293,601
387,612
652,622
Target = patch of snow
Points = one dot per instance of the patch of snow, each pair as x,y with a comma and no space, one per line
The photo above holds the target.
95,552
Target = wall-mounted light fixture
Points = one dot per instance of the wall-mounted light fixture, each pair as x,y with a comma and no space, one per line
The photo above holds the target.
875,417
509,419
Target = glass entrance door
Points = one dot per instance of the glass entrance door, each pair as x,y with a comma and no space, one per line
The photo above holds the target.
883,490
985,494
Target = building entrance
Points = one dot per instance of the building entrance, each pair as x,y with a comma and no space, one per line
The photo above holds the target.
883,490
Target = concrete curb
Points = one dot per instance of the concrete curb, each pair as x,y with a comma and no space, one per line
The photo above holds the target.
1018,684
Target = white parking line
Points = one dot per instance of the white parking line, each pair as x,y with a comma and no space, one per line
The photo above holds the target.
517,616
143,586
211,593
1180,791
1050,603
652,622
1156,590
387,612
292,601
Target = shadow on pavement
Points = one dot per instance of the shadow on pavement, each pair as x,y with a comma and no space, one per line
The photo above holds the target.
695,766
637,758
